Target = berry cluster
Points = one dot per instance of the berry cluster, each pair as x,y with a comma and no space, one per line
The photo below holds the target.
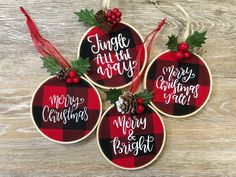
113,16
140,107
182,52
72,77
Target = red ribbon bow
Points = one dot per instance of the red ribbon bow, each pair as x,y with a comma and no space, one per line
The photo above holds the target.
44,47
137,77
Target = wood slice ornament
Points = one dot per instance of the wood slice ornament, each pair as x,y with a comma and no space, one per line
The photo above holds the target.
111,46
66,107
179,78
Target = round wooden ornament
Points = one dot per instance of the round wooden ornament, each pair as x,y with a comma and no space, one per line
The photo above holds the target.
131,141
66,113
112,55
181,87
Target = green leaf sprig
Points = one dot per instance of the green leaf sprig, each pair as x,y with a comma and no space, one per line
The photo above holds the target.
145,95
172,44
88,17
50,64
81,65
196,40
113,95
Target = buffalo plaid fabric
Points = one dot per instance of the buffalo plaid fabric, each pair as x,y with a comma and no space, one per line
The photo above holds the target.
72,130
202,77
117,79
108,131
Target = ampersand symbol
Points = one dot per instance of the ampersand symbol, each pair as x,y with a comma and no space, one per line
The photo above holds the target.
131,136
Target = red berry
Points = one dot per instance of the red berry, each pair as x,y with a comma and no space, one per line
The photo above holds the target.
183,46
179,55
109,19
118,20
118,14
114,22
109,13
139,101
72,74
115,10
69,80
140,109
186,54
113,17
76,80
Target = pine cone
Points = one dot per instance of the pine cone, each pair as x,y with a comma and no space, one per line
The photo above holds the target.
100,16
62,73
127,103
106,26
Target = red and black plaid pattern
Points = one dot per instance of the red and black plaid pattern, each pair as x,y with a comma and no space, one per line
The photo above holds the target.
202,77
72,130
107,131
117,79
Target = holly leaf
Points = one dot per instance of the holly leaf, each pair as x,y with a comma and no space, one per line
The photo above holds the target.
113,95
81,66
172,44
88,17
145,95
50,64
196,39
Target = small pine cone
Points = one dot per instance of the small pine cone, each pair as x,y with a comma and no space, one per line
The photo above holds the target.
62,73
100,16
106,26
127,103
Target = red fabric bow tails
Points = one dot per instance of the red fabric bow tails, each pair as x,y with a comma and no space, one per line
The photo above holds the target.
137,78
44,47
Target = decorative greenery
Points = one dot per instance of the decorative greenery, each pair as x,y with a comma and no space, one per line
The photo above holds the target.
173,43
50,64
145,95
81,66
112,95
196,39
88,17
95,19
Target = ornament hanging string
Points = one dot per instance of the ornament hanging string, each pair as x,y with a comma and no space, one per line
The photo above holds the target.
187,17
106,4
137,77
44,47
